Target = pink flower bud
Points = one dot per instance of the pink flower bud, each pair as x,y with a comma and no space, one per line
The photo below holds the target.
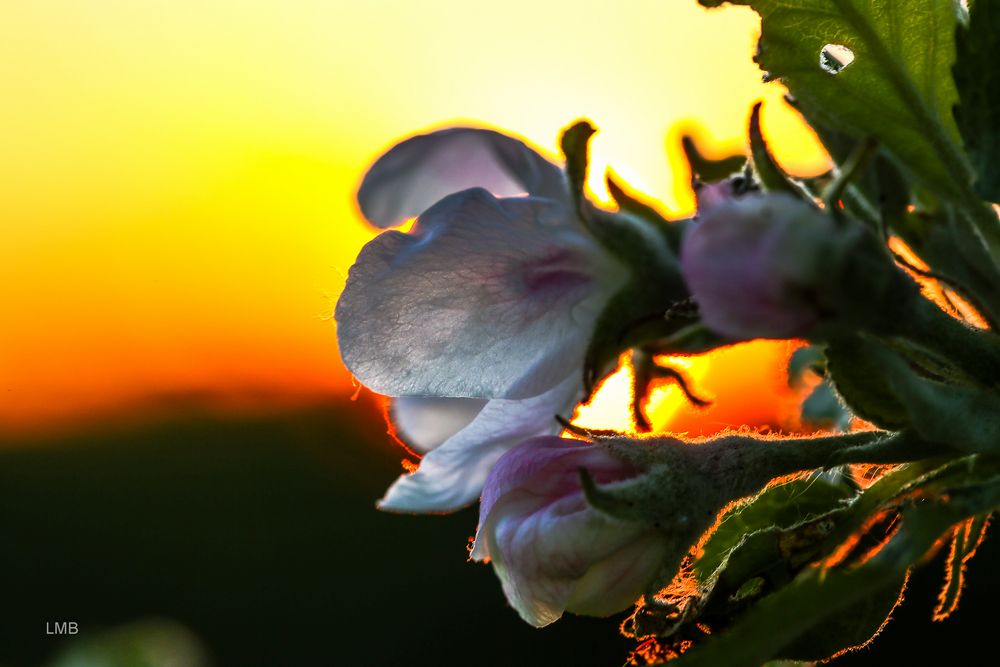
773,266
713,194
554,552
754,265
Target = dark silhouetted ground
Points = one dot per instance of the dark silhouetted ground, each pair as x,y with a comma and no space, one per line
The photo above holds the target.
260,535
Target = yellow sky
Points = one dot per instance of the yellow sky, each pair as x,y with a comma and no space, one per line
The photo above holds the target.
177,176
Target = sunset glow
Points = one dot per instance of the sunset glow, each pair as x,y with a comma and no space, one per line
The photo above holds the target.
177,179
745,383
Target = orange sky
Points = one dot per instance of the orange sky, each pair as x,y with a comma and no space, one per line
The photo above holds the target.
177,176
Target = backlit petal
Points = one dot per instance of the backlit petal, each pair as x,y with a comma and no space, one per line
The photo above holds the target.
421,170
551,550
451,476
484,298
426,422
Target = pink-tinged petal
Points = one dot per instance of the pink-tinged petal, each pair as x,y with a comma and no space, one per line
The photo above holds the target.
451,475
484,298
421,170
749,264
545,468
426,422
551,550
713,194
619,580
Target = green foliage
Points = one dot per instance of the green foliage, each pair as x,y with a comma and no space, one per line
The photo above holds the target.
964,542
149,643
769,544
859,378
966,418
642,309
813,567
781,506
850,628
895,83
978,81
827,597
904,96
807,569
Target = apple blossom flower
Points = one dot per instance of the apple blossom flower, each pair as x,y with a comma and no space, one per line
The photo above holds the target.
774,266
552,551
477,319
483,298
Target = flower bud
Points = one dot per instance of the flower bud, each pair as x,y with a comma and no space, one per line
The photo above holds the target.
772,266
709,195
554,552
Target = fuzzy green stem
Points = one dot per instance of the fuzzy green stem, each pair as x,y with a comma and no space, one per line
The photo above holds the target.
751,462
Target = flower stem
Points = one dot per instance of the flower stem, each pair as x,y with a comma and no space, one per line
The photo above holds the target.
750,463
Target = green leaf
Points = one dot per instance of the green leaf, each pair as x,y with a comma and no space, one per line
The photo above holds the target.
880,495
962,416
143,643
781,551
978,81
954,251
872,68
965,418
772,628
773,555
850,628
966,539
770,560
780,506
829,524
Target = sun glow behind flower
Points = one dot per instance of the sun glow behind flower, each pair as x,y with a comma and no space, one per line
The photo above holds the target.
741,382
177,178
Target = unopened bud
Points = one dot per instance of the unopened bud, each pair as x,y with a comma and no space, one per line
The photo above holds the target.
772,266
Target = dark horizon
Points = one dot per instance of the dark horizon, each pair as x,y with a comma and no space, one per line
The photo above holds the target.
260,535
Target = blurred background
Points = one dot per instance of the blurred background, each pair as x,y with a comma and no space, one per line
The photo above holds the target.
184,462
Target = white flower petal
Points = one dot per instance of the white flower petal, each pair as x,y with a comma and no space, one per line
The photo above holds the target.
419,171
451,476
543,556
619,580
426,422
551,550
485,298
